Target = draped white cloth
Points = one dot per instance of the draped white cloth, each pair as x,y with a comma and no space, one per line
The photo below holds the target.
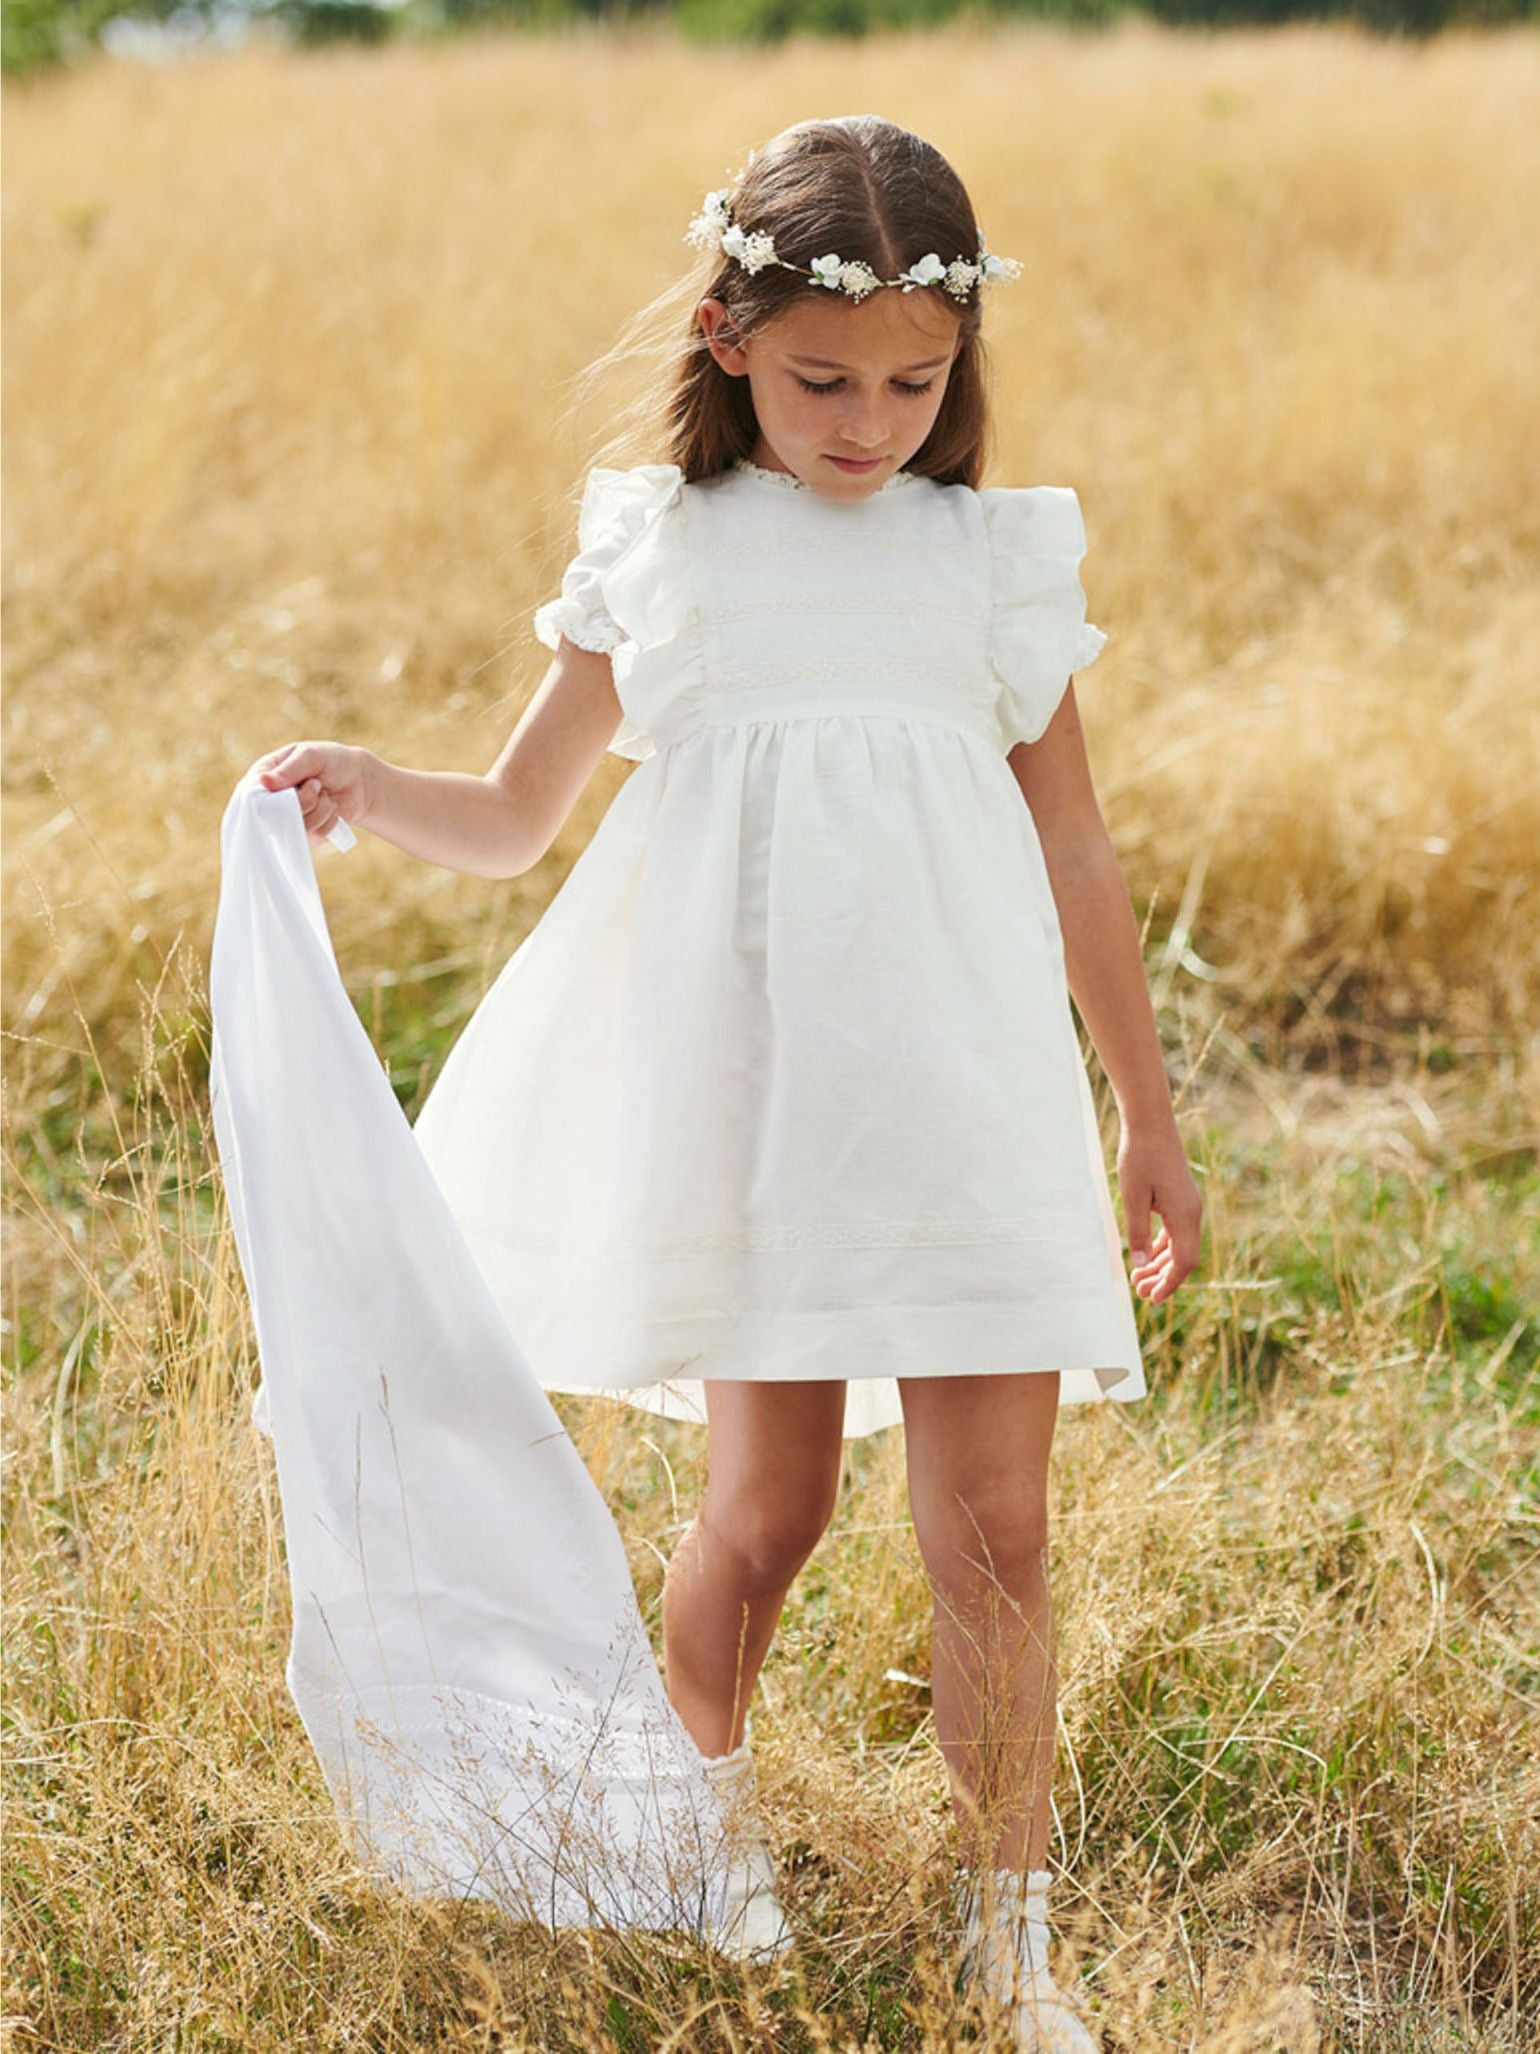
468,1656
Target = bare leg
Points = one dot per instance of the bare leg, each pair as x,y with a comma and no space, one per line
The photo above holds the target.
773,1465
977,1452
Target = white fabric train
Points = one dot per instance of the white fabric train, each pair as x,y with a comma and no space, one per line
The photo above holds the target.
468,1656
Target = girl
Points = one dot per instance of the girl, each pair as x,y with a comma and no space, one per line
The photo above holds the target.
778,1117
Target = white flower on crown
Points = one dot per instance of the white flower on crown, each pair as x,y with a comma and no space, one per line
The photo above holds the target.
714,228
707,227
926,271
854,279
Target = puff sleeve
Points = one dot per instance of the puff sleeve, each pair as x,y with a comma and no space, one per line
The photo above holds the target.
619,592
1039,635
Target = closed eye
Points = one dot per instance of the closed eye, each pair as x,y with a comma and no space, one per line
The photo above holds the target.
833,384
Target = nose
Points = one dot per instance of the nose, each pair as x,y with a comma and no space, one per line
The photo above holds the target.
862,427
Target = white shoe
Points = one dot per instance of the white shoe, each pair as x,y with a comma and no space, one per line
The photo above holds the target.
753,1927
1005,1964
1045,2020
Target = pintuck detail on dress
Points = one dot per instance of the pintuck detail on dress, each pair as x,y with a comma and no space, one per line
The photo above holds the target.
1039,634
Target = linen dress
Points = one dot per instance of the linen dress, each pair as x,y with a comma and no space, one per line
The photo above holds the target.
785,1082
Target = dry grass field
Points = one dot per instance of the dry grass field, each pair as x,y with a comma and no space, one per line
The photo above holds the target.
287,342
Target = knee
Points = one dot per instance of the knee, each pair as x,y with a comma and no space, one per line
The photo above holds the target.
771,1532
980,1535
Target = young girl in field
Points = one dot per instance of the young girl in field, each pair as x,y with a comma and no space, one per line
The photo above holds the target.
778,1117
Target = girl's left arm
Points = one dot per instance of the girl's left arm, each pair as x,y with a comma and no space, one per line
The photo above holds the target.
1105,971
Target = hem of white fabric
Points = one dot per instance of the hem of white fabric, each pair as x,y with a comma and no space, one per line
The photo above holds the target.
1093,1345
1111,1378
872,1402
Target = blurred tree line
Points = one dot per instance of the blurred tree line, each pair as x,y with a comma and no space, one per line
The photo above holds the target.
42,34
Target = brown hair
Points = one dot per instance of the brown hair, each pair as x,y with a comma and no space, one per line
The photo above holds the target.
865,187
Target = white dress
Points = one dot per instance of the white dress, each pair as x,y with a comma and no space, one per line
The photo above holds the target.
785,1083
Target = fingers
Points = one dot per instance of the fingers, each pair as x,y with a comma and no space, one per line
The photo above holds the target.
1139,1239
316,772
269,767
1150,1261
319,812
1171,1259
286,766
1151,1275
1156,1280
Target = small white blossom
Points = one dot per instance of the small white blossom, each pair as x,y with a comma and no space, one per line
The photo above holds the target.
999,267
857,280
706,229
925,272
961,277
827,271
758,251
733,240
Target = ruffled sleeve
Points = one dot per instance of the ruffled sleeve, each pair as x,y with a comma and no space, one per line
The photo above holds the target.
610,598
1039,635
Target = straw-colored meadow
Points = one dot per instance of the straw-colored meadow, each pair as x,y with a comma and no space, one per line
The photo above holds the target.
287,343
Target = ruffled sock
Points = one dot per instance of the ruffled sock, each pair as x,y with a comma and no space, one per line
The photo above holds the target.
754,1925
1005,1940
1006,1961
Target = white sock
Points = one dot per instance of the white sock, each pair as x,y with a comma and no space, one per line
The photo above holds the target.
740,1753
734,1777
743,1751
1017,1940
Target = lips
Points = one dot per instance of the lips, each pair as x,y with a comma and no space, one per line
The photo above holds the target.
849,463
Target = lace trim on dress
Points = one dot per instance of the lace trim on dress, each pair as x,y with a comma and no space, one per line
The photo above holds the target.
787,478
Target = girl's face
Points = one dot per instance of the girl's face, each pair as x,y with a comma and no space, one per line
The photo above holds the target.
844,391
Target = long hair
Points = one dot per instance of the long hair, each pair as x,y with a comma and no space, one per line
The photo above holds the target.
876,193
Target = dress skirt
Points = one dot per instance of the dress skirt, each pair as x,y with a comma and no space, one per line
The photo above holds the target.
785,1085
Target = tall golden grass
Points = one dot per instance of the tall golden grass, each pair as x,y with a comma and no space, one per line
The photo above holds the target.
286,342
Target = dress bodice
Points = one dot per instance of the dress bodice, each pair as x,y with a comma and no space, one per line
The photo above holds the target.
747,596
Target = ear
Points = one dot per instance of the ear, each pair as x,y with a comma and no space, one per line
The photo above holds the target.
722,338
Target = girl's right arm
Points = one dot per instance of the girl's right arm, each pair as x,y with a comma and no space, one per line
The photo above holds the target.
498,825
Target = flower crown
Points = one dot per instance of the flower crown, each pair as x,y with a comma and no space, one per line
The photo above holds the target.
714,228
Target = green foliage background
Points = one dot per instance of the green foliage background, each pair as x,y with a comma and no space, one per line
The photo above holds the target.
44,34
